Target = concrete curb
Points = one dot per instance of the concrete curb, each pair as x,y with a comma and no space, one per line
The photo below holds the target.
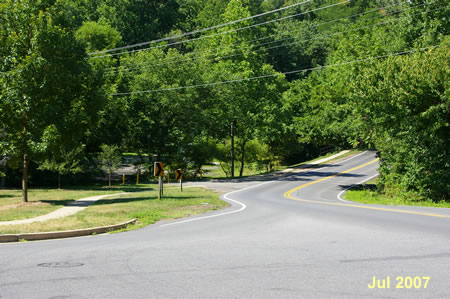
64,234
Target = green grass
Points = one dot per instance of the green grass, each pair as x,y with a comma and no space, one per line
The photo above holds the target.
368,194
218,173
43,201
144,206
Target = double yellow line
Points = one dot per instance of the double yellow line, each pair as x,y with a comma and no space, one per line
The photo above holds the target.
288,195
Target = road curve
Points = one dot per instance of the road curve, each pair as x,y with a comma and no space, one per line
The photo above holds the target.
276,241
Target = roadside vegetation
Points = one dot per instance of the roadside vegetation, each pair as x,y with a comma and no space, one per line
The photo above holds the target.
368,193
143,206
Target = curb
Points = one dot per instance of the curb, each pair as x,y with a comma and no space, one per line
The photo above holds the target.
64,234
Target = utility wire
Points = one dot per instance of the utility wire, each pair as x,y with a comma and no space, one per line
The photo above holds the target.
223,33
280,46
271,75
199,30
176,59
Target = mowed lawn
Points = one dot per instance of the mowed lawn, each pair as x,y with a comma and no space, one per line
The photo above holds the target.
143,206
42,201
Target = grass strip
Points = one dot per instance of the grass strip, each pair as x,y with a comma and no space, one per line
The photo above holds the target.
43,201
144,206
368,194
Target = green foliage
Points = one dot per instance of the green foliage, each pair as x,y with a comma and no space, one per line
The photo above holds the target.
52,96
406,101
110,159
46,95
138,20
64,161
98,37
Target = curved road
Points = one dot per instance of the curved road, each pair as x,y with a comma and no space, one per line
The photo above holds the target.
288,238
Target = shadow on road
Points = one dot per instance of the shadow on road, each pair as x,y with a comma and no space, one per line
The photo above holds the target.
359,187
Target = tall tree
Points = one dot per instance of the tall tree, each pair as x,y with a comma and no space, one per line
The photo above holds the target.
240,108
405,101
47,93
161,123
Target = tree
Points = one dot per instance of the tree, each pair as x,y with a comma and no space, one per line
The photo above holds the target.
406,103
139,20
63,162
97,36
110,158
161,124
47,92
239,109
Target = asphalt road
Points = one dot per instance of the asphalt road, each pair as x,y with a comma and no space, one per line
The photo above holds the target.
274,242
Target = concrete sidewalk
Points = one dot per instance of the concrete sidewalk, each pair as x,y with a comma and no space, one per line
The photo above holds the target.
68,210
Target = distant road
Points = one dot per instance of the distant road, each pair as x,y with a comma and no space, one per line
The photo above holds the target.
288,238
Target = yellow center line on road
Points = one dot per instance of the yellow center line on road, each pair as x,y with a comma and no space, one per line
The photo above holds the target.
288,195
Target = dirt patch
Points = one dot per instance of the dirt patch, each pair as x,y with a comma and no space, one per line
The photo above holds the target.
199,209
22,204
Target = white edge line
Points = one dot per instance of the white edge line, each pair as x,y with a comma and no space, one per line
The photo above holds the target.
243,206
226,196
363,181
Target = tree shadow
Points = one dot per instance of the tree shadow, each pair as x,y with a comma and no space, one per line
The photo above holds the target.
127,189
6,196
359,187
263,176
58,202
134,199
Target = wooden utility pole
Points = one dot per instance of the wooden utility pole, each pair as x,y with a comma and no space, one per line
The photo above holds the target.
233,129
159,172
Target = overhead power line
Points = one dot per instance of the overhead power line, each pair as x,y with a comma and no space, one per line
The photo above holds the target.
176,59
200,30
274,47
225,32
271,75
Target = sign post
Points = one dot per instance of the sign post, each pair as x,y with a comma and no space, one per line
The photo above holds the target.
159,172
179,176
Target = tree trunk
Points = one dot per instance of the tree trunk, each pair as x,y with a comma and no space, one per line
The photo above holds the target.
241,173
3,181
59,181
233,124
109,179
26,163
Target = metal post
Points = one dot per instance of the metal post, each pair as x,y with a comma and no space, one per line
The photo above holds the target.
159,187
233,123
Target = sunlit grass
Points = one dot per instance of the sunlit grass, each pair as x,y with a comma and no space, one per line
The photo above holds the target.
144,206
368,194
42,201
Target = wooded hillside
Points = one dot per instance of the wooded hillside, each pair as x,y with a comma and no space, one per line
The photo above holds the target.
278,81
